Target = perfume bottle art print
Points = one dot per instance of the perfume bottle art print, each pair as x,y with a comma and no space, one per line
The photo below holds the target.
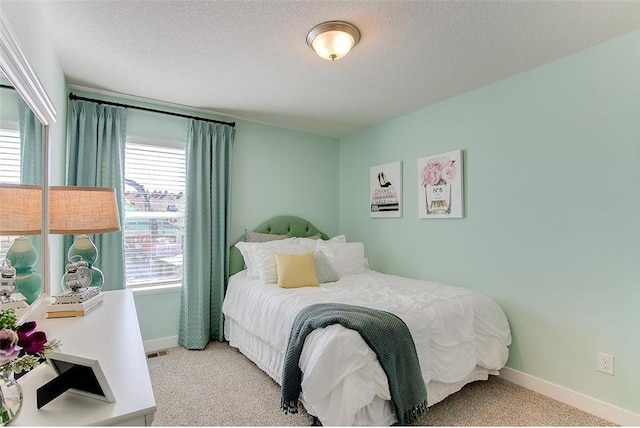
440,185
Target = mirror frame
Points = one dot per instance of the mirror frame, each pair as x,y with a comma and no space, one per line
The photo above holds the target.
18,71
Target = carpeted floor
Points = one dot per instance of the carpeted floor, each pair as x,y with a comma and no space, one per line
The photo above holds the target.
218,386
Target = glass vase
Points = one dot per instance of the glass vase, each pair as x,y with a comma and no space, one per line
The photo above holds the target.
438,198
10,397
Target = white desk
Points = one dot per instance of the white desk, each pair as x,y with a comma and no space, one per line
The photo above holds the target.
111,335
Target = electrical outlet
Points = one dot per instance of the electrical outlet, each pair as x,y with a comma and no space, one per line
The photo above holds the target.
605,363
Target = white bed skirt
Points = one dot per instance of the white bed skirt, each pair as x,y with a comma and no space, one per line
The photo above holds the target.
379,412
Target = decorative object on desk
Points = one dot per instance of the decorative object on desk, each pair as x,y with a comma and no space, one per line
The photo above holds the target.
74,313
77,290
10,397
21,215
7,278
81,211
440,192
75,297
76,374
22,348
67,304
9,299
77,275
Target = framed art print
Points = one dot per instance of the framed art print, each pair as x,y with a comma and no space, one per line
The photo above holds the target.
76,374
385,196
440,193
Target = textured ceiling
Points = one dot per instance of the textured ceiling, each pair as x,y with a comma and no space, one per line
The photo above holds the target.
249,59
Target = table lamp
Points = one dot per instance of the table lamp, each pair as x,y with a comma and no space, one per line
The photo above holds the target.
82,211
21,215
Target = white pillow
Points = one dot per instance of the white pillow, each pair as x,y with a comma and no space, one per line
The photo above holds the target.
323,269
265,257
340,239
248,255
247,249
311,243
345,258
263,237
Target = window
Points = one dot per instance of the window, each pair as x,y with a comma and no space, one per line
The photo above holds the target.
10,148
154,196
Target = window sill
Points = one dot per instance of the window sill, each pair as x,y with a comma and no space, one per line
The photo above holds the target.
157,289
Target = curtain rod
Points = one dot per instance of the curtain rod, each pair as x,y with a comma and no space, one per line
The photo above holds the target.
76,97
7,87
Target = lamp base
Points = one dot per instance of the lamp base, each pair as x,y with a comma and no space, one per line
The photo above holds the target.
97,277
23,256
29,284
85,248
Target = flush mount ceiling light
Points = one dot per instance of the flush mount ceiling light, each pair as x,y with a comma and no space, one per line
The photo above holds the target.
333,39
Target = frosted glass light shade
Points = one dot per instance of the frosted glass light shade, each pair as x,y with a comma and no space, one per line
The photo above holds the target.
333,39
78,210
20,209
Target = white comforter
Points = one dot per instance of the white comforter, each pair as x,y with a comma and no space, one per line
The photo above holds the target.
454,330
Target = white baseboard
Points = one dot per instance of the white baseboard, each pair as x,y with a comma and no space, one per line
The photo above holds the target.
159,344
576,399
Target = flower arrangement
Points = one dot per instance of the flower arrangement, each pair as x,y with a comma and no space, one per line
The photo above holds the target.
439,171
22,347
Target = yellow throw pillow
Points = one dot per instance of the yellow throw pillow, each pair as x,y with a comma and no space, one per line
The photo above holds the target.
296,270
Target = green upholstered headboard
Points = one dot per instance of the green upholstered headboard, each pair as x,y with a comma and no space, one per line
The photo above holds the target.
279,225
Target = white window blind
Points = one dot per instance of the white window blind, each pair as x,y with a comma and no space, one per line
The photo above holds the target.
154,199
9,155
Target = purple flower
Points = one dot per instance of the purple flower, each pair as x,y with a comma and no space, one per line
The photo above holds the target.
30,340
8,346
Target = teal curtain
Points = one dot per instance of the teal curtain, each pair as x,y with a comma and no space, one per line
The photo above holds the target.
31,142
206,246
96,139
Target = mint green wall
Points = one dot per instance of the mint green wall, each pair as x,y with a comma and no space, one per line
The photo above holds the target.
29,26
551,230
275,171
278,171
8,104
158,314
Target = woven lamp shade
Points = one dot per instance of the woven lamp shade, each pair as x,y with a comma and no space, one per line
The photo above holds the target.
82,210
20,209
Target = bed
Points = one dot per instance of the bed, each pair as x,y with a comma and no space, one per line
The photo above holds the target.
460,335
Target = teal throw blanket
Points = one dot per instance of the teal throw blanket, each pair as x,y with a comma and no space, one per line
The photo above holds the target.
387,336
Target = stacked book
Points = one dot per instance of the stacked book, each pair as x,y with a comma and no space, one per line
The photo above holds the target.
15,301
75,303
